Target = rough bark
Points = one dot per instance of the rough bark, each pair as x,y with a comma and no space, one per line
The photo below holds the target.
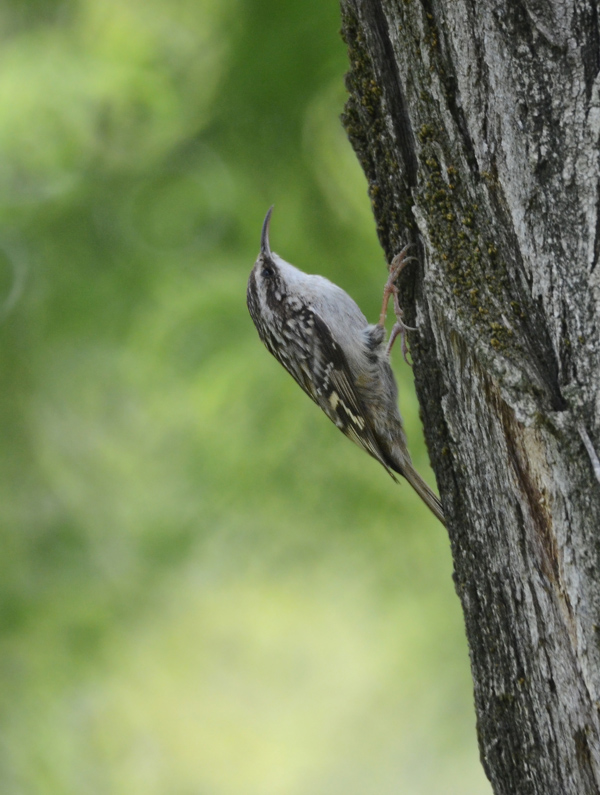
477,125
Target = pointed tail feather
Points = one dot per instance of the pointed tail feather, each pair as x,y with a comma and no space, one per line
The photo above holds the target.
431,500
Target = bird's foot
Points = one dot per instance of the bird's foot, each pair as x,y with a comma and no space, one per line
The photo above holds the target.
400,328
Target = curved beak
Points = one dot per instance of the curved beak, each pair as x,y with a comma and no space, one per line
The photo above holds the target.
265,248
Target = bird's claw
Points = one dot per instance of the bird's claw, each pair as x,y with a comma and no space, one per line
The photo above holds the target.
398,263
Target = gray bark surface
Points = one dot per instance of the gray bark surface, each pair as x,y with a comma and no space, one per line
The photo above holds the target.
477,125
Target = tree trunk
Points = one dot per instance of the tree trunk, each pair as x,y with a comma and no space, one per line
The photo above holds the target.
477,125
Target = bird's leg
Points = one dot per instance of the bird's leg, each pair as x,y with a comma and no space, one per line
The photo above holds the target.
400,328
396,265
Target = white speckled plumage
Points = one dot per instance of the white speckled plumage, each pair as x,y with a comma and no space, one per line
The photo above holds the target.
321,337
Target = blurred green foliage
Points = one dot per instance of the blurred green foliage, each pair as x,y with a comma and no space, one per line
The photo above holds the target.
204,587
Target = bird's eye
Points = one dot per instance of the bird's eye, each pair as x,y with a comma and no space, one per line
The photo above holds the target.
267,271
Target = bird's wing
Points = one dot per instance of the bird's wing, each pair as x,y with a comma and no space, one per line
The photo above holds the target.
327,378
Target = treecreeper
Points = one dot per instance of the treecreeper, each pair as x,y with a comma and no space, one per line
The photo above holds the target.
321,337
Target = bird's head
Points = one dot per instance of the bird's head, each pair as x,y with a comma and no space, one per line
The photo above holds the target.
272,282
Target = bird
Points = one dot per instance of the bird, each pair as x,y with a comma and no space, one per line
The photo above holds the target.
322,338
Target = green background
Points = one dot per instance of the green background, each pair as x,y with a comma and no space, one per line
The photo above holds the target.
204,588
